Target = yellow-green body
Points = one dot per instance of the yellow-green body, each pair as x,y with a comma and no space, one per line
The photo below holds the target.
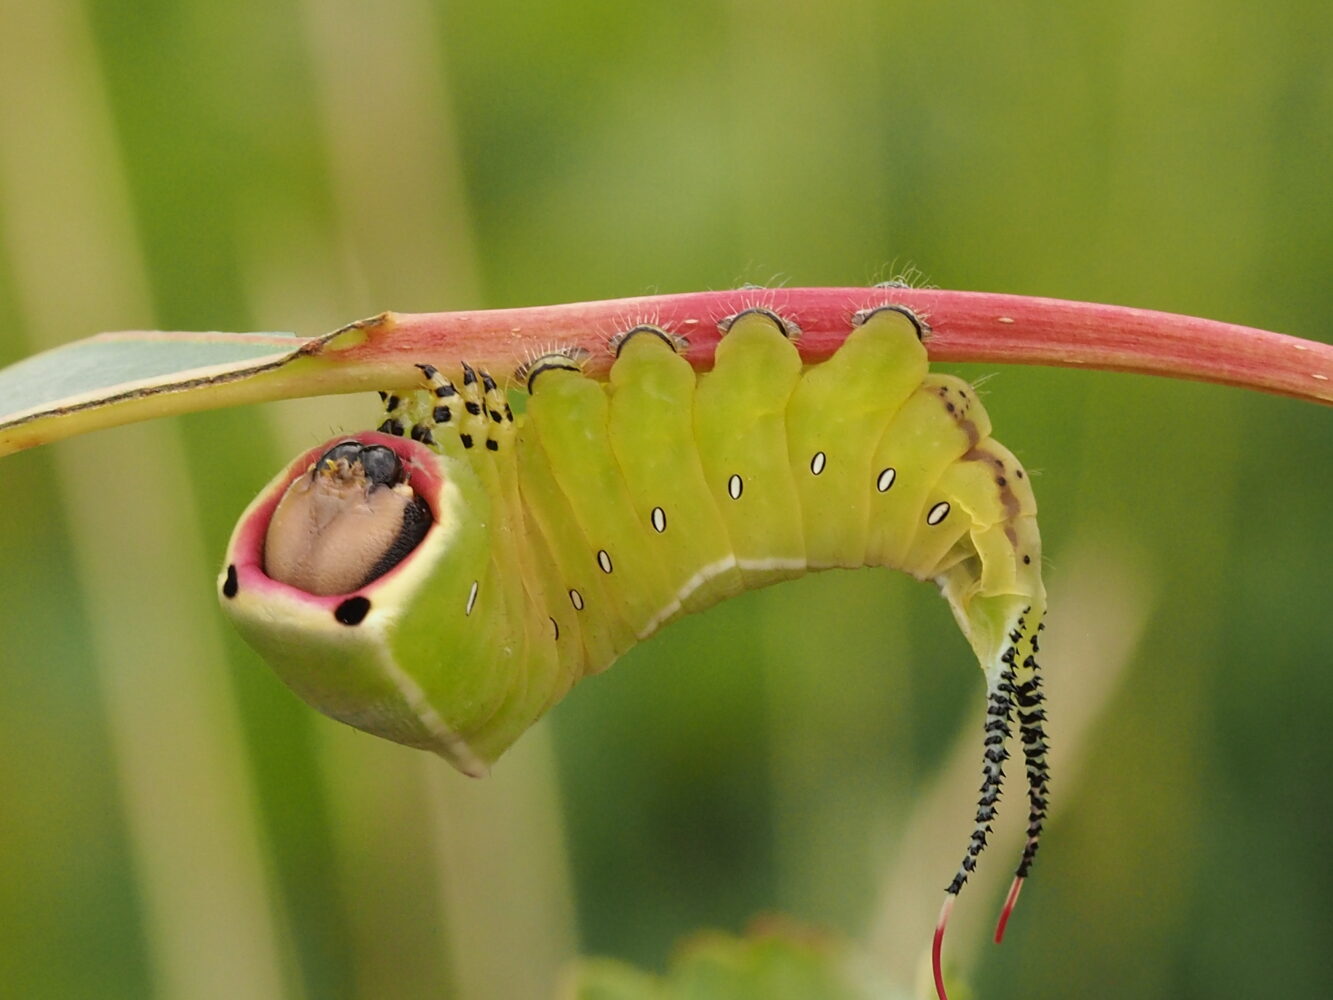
610,509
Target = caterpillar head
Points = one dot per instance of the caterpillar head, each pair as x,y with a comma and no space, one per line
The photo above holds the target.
333,571
348,520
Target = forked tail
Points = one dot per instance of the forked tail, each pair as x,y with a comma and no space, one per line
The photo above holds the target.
1015,691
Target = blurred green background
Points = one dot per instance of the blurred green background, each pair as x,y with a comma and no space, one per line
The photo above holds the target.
173,823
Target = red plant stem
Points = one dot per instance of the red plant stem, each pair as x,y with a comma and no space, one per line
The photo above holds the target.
382,352
965,326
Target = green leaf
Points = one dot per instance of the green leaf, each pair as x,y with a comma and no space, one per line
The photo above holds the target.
776,961
118,378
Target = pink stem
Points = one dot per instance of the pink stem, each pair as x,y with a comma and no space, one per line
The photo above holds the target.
1010,901
966,326
937,946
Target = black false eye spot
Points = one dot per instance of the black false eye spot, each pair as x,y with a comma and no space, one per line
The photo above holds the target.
231,585
381,464
348,451
353,610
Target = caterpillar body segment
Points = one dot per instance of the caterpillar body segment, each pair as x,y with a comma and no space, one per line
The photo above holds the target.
923,438
836,418
652,430
576,580
568,419
562,537
499,598
740,423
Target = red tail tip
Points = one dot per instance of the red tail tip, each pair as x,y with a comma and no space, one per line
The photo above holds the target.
1009,903
938,945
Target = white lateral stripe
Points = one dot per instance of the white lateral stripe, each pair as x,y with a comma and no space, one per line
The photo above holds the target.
710,572
759,565
713,569
415,699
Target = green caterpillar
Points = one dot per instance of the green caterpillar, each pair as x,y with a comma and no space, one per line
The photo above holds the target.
443,582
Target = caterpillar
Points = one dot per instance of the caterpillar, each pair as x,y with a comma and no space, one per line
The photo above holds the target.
445,580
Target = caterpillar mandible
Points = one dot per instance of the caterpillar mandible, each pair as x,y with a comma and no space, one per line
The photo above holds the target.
445,580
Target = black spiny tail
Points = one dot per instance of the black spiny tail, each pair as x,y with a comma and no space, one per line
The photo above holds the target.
1028,700
999,712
